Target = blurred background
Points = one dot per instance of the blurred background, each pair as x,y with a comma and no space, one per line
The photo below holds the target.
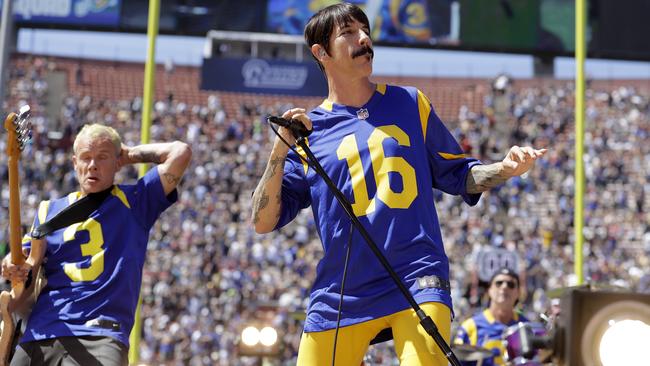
498,72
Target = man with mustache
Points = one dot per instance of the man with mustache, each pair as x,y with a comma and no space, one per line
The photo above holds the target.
385,148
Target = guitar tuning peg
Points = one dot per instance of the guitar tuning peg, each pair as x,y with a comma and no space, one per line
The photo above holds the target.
24,141
24,112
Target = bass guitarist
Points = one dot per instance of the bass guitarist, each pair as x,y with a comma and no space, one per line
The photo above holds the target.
94,267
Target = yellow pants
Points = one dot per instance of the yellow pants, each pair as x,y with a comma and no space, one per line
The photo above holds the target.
414,347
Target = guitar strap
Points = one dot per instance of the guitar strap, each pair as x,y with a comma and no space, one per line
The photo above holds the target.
76,212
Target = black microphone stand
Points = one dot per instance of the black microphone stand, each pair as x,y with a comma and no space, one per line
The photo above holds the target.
425,320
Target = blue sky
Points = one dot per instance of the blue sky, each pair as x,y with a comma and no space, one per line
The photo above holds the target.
388,61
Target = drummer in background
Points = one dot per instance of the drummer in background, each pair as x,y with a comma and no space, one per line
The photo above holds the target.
485,328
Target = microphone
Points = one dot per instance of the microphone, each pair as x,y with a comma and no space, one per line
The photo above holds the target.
295,126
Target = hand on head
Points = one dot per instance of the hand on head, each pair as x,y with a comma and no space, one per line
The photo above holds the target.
123,159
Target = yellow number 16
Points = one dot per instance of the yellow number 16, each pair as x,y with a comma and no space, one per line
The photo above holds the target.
381,166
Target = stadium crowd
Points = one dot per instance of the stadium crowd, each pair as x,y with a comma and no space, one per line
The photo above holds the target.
208,274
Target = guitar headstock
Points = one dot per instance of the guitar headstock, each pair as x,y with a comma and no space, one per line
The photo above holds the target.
19,131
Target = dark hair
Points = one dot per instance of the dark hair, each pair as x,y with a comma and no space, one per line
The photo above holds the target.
319,27
507,272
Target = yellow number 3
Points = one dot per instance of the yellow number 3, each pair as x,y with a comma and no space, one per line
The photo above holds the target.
92,248
381,166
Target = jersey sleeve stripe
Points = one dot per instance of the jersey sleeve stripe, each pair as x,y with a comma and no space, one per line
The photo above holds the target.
301,152
42,216
448,156
42,211
472,332
117,192
424,107
488,316
73,196
327,105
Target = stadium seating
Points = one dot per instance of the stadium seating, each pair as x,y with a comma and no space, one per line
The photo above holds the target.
206,269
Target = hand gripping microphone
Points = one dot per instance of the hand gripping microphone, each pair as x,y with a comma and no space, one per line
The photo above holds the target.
296,127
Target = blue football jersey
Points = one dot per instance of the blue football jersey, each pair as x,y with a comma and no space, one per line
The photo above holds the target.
94,268
386,157
485,331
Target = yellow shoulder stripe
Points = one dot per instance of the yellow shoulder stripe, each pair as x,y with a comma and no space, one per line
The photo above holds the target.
72,197
42,216
302,153
448,156
381,88
488,316
42,211
117,192
470,327
327,105
424,107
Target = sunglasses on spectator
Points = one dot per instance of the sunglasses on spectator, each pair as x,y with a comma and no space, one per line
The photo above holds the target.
511,284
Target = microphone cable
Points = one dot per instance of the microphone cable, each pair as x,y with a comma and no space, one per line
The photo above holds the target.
306,161
347,252
345,272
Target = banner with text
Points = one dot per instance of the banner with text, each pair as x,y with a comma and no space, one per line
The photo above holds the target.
263,76
67,12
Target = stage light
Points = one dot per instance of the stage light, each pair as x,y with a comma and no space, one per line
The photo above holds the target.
612,334
268,336
624,342
250,336
602,328
259,340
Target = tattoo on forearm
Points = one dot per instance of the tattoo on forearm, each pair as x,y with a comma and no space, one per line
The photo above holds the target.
147,157
259,204
278,200
171,178
484,177
261,200
273,165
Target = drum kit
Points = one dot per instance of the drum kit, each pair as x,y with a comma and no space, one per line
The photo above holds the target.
524,345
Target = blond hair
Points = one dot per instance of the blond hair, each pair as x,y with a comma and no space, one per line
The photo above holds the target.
95,131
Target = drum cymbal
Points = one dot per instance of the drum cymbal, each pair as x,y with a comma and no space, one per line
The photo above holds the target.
466,352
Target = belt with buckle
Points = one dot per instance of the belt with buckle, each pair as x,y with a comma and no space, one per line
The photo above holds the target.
103,323
433,282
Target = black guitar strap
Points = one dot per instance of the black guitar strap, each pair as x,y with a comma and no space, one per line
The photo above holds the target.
76,212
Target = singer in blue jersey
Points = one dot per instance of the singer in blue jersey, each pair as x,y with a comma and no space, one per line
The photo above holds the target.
486,329
385,149
94,268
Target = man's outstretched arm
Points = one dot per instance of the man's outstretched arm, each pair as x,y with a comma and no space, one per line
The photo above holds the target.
518,161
